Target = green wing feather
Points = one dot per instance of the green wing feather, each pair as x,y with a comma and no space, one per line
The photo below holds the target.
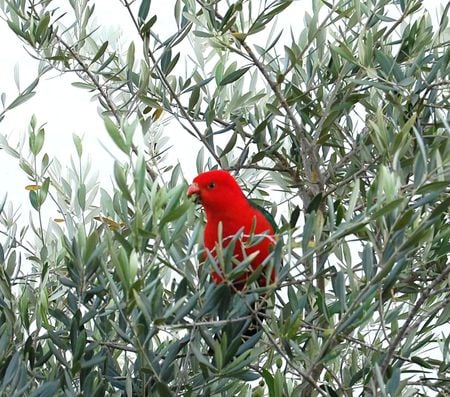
266,214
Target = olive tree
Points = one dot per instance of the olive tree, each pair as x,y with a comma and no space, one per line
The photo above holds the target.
338,125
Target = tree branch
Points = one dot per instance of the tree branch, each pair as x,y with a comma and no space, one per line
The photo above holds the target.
406,329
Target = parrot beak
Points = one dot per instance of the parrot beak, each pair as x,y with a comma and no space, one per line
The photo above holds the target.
194,190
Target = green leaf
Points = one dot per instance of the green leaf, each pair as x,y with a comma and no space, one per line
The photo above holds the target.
165,60
367,262
294,217
258,157
172,64
16,29
185,309
111,58
144,9
199,84
422,362
78,144
33,196
81,196
420,164
199,162
42,26
194,98
39,139
148,25
270,382
140,175
345,53
175,213
230,145
12,370
43,191
438,186
116,136
93,362
308,231
394,382
233,76
121,180
249,344
386,208
150,102
45,162
200,33
163,390
353,200
130,57
338,283
200,357
47,389
404,219
87,86
20,100
100,52
374,83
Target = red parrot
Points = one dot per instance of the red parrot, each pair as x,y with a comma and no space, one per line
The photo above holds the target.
225,203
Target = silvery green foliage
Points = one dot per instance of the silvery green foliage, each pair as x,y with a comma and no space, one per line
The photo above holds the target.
339,126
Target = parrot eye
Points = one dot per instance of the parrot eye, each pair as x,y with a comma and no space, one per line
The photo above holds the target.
211,185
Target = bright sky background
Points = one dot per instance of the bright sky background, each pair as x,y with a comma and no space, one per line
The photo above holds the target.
66,110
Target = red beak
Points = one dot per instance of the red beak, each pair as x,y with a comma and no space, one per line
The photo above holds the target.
193,190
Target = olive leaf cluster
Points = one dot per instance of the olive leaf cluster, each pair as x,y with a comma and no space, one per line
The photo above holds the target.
334,115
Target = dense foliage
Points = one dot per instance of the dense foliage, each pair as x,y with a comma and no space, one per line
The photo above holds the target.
339,126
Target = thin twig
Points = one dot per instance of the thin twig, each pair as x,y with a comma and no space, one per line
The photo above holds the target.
305,375
406,329
198,134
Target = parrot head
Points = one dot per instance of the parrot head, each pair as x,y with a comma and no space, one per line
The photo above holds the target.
216,190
